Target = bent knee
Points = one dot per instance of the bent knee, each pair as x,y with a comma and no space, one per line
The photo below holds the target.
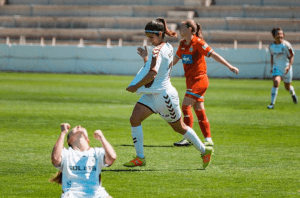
135,121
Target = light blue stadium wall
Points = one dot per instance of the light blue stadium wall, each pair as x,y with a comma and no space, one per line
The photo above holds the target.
253,63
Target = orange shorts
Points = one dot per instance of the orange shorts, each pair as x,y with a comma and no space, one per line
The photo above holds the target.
196,88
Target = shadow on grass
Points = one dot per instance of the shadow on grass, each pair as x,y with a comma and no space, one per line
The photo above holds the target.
130,145
150,170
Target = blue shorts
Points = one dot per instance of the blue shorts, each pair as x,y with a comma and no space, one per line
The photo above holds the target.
287,78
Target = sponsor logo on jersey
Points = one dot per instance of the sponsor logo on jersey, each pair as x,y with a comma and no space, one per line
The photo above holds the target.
83,168
187,59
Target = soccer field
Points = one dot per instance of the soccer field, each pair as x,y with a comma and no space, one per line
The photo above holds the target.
256,149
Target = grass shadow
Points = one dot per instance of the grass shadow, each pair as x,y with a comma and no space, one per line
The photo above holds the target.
130,145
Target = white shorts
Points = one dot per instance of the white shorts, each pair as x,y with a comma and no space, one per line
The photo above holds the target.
165,103
287,78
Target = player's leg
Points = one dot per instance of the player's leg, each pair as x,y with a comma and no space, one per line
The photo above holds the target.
188,118
203,122
290,88
190,134
274,91
139,113
287,78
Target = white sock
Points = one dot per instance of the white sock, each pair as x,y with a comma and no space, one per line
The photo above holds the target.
208,139
292,90
274,93
192,136
137,137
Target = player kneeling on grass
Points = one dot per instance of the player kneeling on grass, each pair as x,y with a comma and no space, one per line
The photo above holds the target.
80,165
159,96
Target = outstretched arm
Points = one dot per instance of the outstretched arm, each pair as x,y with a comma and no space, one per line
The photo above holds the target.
110,154
221,60
59,145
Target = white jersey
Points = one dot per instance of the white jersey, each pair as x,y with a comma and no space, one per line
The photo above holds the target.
281,54
161,62
80,173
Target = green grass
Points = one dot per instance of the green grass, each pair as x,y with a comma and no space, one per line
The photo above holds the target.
256,149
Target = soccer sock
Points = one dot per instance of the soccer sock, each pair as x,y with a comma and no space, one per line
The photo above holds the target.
188,115
292,90
137,137
274,92
192,136
204,123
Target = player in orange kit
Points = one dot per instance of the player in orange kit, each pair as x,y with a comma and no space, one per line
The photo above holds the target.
192,50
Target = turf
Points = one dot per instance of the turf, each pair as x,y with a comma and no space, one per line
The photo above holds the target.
256,149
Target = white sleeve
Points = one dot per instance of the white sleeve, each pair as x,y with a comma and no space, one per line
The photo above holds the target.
270,50
100,153
290,50
64,156
157,58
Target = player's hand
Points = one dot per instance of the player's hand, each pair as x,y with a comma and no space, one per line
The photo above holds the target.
65,127
143,52
287,69
234,70
132,88
98,134
271,71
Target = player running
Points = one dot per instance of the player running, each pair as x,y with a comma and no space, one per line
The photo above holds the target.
159,96
282,58
192,50
80,165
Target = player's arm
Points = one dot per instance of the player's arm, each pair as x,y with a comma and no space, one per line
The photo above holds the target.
143,52
221,60
272,62
291,61
148,78
110,154
59,145
175,60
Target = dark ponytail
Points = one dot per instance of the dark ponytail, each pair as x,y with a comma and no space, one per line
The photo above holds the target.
159,25
199,31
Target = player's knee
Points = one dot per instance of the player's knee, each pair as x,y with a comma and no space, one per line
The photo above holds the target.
135,121
287,87
186,108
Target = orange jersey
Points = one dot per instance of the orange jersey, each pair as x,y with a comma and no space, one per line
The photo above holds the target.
193,59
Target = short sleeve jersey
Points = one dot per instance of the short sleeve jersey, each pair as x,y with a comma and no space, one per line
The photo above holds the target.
281,54
160,61
193,57
81,171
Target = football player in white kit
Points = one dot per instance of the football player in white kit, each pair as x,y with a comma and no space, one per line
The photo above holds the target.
80,165
159,96
282,58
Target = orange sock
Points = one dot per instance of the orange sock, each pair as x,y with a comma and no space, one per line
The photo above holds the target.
188,115
204,123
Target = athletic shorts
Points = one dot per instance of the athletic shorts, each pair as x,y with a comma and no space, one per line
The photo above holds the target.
287,78
197,89
166,104
102,194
